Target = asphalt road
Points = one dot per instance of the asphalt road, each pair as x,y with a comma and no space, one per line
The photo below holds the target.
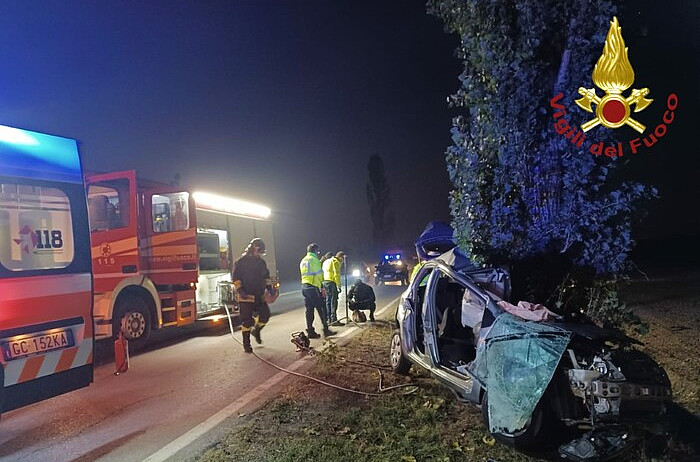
176,397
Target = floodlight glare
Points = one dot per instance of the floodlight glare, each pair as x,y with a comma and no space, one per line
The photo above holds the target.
230,205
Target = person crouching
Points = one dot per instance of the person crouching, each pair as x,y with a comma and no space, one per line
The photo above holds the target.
361,297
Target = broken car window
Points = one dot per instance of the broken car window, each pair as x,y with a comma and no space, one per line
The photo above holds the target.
517,362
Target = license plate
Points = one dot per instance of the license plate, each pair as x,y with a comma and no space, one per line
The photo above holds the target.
21,346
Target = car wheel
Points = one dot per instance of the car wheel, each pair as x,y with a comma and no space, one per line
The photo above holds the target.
399,363
530,437
133,320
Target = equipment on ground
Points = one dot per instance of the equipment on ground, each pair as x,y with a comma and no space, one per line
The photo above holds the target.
301,341
358,316
121,355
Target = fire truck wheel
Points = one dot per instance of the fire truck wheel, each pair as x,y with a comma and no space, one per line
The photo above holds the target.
133,319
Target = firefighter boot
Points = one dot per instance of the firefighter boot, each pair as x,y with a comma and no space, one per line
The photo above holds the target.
246,342
256,333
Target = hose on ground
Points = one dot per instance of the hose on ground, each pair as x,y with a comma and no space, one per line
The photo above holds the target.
322,382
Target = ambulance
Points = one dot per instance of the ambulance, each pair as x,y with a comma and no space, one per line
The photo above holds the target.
46,322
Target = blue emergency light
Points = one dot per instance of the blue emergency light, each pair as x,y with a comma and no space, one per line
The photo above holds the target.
29,154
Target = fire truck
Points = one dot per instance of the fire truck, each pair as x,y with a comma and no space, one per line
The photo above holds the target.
46,323
162,256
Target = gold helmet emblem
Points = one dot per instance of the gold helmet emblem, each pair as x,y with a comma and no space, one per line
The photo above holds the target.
613,74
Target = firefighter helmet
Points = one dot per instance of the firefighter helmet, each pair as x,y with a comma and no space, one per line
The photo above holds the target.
258,244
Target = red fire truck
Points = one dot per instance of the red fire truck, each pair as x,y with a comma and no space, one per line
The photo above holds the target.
46,324
153,266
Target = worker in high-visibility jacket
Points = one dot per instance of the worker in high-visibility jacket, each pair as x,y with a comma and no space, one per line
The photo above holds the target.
331,284
311,286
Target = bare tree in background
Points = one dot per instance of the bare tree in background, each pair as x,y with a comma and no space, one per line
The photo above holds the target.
379,199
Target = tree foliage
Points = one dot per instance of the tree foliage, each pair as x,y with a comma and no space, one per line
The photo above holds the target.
379,199
520,190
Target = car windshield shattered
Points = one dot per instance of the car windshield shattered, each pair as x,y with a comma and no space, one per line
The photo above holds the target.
516,362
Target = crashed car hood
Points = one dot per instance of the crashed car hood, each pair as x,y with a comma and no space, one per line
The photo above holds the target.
516,360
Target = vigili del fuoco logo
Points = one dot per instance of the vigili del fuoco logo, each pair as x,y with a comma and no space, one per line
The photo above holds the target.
613,74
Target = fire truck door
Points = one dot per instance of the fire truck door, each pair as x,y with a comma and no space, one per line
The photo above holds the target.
112,210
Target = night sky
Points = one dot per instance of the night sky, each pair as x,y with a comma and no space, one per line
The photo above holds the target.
283,102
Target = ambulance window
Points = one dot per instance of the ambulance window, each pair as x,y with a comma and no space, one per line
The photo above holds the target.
170,212
38,227
108,205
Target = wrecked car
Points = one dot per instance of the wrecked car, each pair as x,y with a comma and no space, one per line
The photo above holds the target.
535,380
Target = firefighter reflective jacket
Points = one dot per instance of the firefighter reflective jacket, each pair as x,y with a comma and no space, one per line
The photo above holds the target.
331,270
311,272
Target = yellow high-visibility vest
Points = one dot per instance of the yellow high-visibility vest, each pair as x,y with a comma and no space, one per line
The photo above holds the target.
415,271
331,270
311,271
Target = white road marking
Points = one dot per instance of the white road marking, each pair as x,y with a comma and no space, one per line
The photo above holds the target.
183,441
202,428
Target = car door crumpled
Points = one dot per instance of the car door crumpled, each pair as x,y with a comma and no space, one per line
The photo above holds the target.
516,363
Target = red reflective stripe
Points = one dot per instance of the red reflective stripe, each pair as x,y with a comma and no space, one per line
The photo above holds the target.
66,360
31,368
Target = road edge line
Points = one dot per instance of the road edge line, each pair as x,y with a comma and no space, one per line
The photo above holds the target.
182,441
202,428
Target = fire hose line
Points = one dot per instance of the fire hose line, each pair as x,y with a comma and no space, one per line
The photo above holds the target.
322,382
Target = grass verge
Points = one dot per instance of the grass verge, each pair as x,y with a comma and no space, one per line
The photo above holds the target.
309,421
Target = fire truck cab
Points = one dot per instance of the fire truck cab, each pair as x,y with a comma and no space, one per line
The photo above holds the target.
163,256
144,254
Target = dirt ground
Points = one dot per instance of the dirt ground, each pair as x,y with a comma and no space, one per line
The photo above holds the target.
423,421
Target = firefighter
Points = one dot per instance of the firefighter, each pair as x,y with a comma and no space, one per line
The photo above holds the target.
331,284
311,285
253,291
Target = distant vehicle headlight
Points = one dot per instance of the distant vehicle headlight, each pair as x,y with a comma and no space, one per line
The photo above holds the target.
356,273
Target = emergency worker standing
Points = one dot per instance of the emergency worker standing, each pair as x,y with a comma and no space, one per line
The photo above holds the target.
311,284
331,283
254,290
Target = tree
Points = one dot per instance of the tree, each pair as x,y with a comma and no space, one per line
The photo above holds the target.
379,199
521,196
